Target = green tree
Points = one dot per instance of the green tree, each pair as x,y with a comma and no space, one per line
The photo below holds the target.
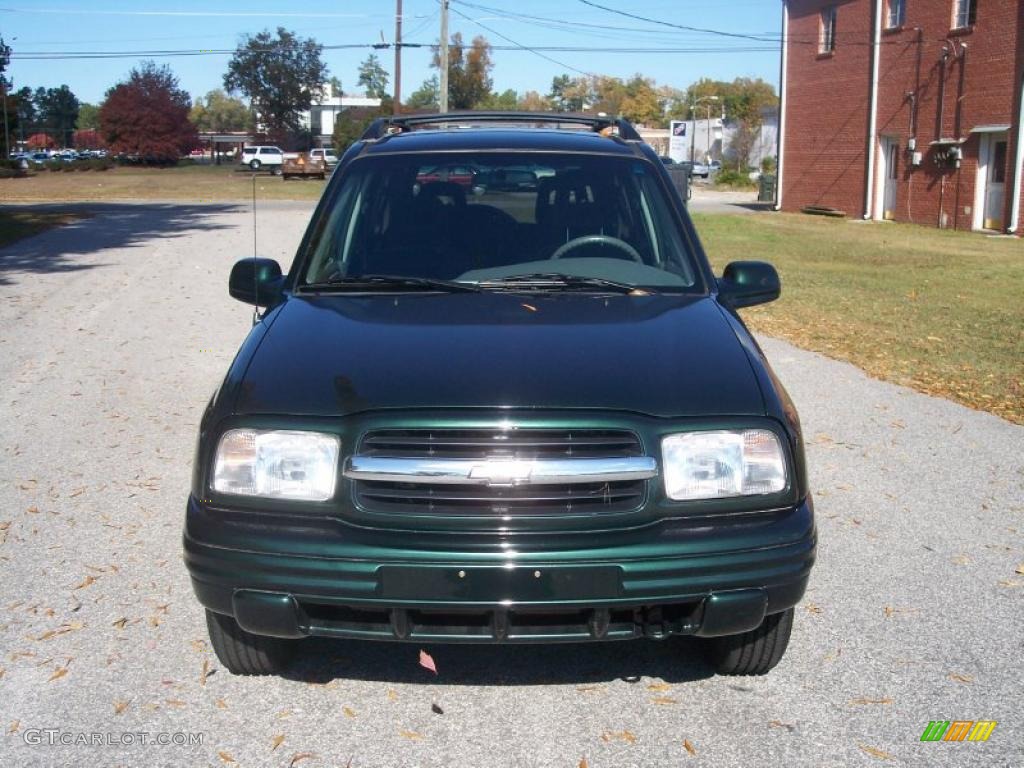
336,89
281,76
58,112
505,101
426,96
373,77
88,117
469,72
350,123
9,116
28,119
217,113
558,95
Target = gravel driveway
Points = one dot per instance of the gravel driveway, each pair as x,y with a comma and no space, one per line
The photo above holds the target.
115,332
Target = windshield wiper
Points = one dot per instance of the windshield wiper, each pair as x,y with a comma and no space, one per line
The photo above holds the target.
362,282
546,280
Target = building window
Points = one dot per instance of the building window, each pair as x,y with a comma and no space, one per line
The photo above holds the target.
827,38
896,14
964,13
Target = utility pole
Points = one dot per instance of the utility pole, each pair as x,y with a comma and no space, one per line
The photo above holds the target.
443,95
397,106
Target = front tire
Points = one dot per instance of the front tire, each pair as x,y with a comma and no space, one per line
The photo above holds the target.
254,165
755,652
244,653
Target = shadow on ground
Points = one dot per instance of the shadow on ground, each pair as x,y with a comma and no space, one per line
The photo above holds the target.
676,660
103,226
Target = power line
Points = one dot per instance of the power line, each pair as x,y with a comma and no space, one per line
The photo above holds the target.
703,30
533,50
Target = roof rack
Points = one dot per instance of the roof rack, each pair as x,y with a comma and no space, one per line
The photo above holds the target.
614,126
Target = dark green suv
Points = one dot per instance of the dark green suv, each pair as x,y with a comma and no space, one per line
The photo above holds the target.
500,397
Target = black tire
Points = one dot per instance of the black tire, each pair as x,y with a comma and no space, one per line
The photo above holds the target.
275,171
254,165
755,652
243,653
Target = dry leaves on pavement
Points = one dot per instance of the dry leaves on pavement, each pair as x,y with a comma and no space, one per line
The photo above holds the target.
881,754
427,662
688,746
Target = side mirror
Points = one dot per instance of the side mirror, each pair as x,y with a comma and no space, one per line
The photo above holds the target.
255,281
746,283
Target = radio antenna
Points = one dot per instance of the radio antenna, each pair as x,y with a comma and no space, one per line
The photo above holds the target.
255,265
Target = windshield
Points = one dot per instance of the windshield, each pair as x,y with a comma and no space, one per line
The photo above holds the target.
482,218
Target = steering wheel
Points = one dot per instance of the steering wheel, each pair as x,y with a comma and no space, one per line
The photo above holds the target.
580,242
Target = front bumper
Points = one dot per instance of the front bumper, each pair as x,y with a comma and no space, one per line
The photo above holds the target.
327,579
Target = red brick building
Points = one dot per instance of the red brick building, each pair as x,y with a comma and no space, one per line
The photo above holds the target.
905,109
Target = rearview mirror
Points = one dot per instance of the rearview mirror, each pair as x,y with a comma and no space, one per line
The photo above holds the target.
746,283
255,281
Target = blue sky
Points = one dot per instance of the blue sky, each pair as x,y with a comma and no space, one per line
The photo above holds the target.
136,25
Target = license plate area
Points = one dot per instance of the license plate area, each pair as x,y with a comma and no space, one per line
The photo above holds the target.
490,584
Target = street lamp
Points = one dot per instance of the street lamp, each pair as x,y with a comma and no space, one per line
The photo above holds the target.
693,136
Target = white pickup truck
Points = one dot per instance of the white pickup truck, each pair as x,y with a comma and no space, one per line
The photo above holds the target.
327,155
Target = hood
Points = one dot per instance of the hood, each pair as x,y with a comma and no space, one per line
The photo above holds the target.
333,355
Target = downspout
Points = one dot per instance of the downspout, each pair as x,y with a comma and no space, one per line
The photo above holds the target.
876,37
1018,167
781,138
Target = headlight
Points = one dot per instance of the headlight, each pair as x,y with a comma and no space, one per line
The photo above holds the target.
277,464
712,465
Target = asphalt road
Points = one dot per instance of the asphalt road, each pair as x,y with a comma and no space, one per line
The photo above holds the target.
115,332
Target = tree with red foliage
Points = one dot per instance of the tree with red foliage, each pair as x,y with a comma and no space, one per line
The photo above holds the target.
88,139
147,116
40,141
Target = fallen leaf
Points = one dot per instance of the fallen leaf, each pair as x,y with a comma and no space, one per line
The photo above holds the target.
76,492
813,608
411,735
392,696
583,763
427,662
436,709
205,672
626,736
175,703
33,510
886,700
120,706
58,673
276,742
688,746
221,704
663,700
225,757
659,687
1019,569
120,623
779,724
14,726
961,678
90,579
63,629
961,560
348,712
880,754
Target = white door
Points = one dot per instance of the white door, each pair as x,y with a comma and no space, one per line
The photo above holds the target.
892,166
995,182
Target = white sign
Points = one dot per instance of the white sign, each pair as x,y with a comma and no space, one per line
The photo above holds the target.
678,141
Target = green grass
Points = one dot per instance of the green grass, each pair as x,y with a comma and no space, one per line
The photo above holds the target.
14,225
190,183
940,311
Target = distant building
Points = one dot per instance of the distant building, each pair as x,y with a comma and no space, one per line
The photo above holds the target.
712,139
909,110
319,119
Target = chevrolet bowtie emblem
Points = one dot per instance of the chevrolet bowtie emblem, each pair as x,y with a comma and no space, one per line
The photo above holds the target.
502,471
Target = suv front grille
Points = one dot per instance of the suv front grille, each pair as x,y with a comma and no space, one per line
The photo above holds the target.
455,499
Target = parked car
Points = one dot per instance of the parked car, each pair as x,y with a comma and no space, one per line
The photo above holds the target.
327,155
705,170
271,158
500,418
39,157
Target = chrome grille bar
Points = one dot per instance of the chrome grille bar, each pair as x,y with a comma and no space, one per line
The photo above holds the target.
500,471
